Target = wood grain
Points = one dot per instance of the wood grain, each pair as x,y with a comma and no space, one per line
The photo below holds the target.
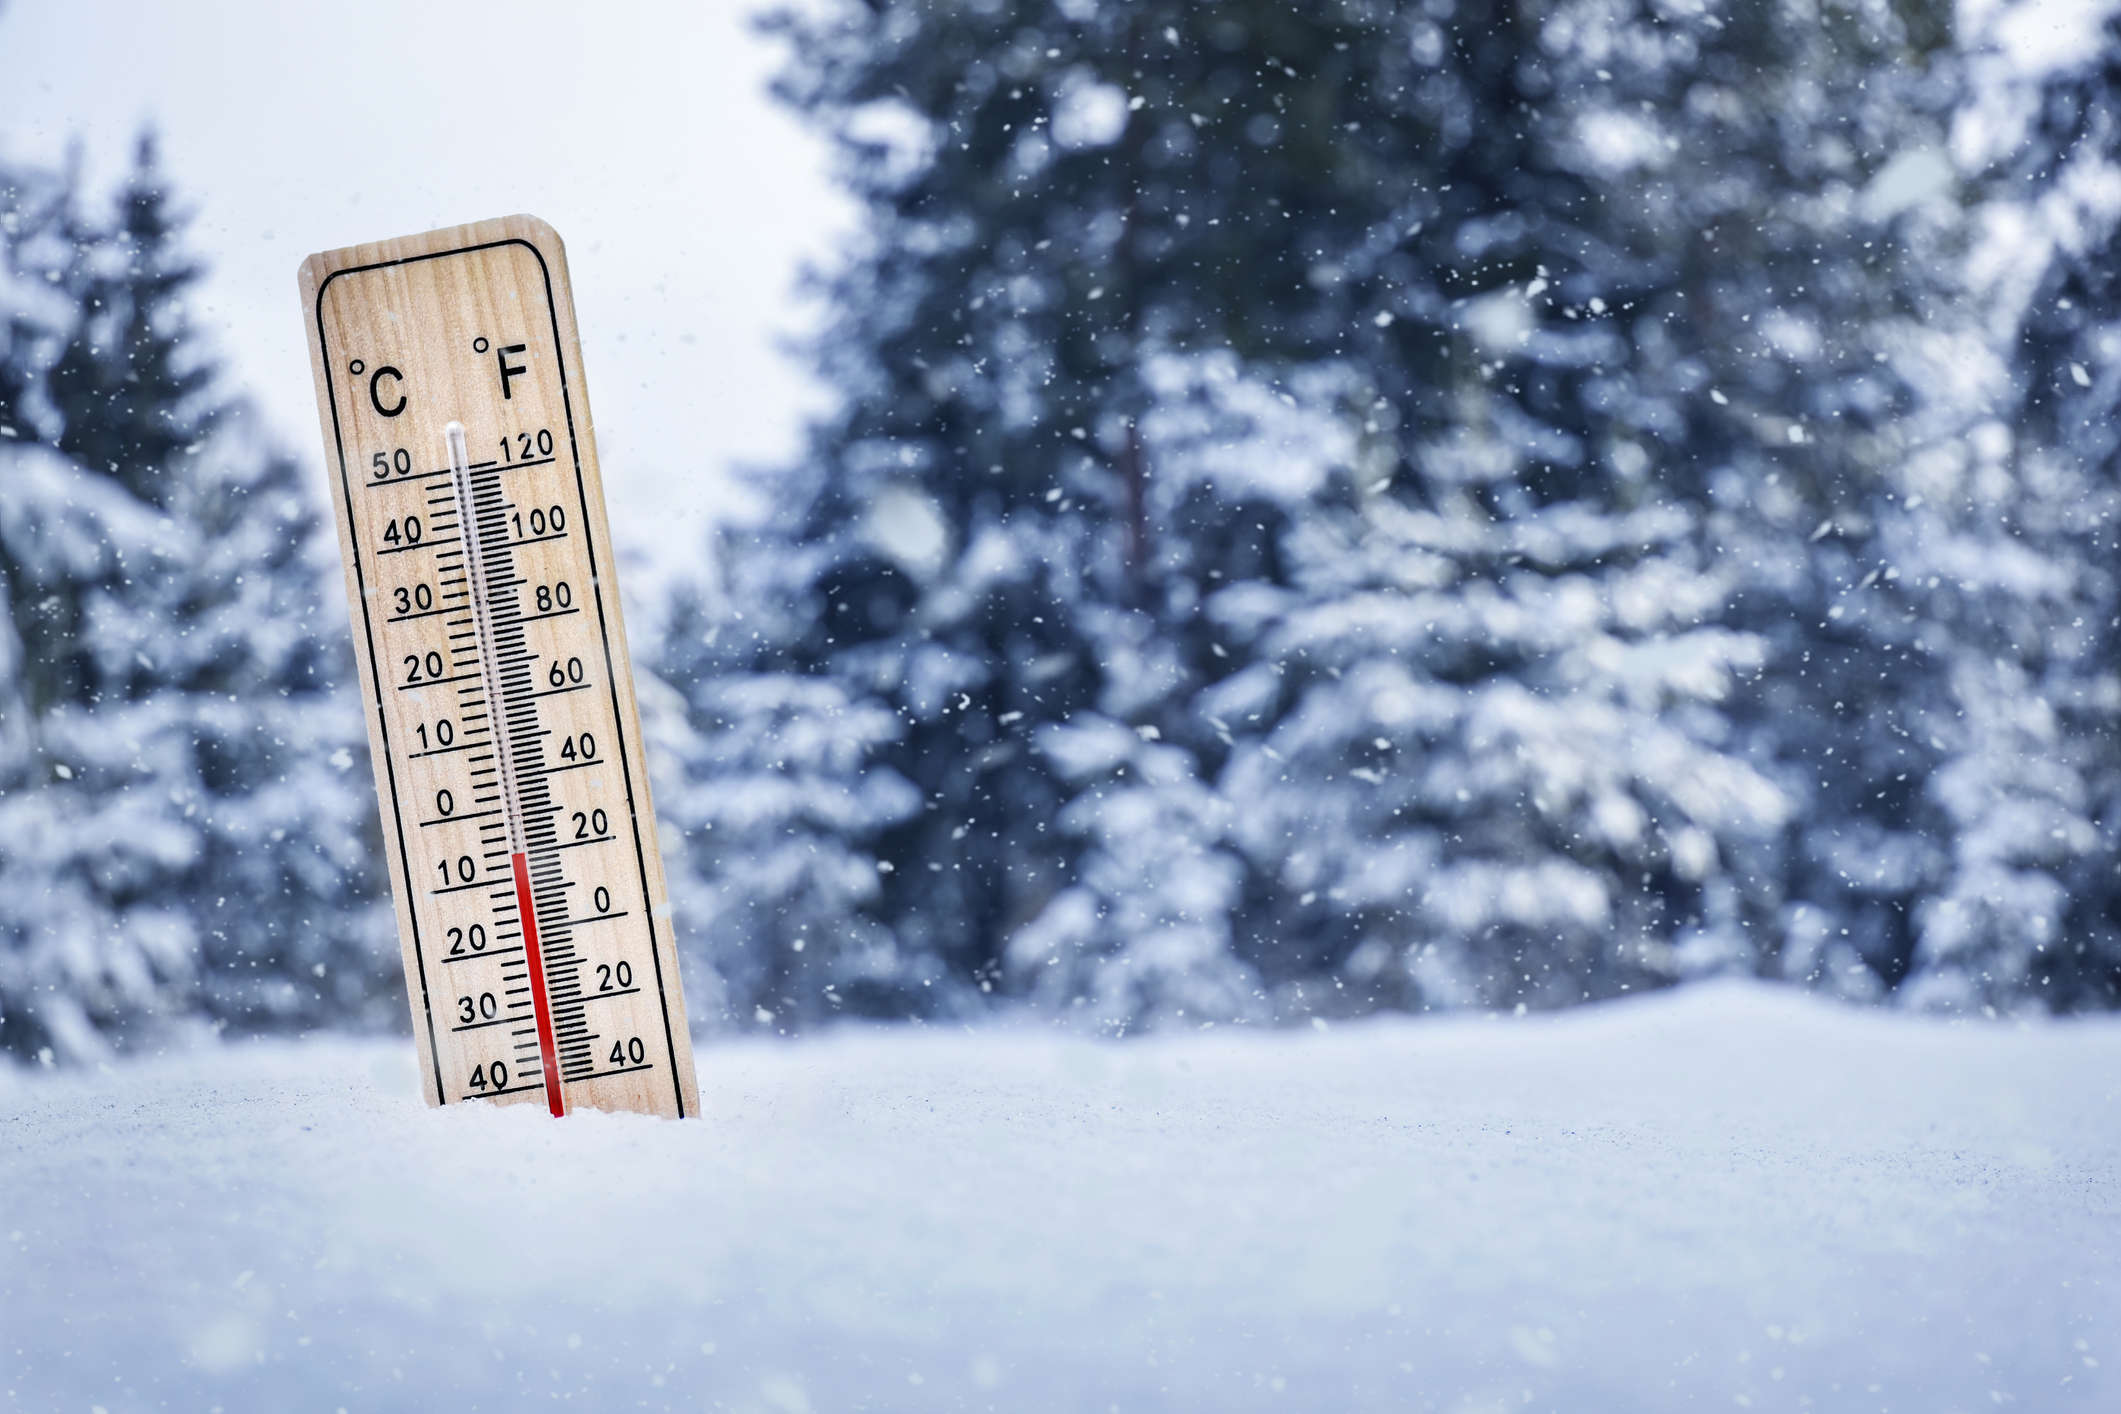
475,325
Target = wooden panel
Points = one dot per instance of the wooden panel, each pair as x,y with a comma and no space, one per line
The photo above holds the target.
494,671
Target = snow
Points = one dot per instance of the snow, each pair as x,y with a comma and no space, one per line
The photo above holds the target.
1727,1197
59,522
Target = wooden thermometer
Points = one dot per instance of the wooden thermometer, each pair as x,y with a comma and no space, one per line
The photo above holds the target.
501,716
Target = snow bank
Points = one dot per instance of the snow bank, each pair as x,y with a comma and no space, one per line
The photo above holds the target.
1726,1198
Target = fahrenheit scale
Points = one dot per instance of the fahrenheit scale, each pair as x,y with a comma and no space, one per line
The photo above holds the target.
501,715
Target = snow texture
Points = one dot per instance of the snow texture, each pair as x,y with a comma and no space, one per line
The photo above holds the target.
1720,1198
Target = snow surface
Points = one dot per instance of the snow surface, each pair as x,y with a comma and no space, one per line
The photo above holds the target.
1723,1198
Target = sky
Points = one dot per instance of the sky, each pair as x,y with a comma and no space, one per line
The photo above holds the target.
689,201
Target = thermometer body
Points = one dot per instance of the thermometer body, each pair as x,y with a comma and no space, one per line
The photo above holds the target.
506,741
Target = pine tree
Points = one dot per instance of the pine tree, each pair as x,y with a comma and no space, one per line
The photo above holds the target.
984,483
762,780
1907,568
1068,205
71,957
1825,402
1519,729
1592,316
133,386
184,835
1146,929
2023,536
1775,241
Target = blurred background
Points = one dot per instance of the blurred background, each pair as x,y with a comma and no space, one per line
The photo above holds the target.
1148,515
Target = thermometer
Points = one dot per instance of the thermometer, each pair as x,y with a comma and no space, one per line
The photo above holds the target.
507,745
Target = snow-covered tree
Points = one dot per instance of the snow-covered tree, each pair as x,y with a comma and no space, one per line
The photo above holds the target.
1626,429
2020,532
1782,228
978,536
1481,758
776,825
184,831
1147,928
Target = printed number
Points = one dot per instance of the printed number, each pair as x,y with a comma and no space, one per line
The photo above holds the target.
419,597
579,748
467,870
416,666
445,733
495,1075
603,899
403,532
610,979
445,803
473,1009
591,824
525,443
385,463
465,941
630,1050
541,522
560,675
554,596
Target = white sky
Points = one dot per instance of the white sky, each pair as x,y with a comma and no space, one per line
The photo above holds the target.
644,134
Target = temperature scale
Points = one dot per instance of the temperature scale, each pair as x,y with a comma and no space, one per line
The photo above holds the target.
501,716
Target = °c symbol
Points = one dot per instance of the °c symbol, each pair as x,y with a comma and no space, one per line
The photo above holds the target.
375,390
479,345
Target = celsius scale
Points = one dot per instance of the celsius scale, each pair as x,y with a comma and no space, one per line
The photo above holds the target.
507,745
